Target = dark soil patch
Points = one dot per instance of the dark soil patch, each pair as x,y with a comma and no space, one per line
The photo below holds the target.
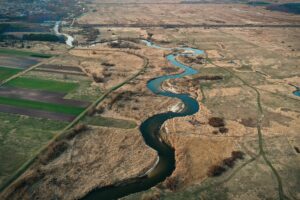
19,62
41,96
36,113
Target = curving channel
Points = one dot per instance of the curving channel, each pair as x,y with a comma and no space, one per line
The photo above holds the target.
297,92
150,130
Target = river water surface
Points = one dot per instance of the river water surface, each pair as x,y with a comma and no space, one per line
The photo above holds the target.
150,130
69,40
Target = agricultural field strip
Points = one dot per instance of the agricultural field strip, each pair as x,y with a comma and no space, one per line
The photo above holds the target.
60,71
27,70
43,84
71,70
17,61
61,134
24,103
24,53
36,113
6,72
63,68
41,96
33,101
36,105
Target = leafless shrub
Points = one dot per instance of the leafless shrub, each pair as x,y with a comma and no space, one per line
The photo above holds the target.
100,110
91,112
122,45
249,122
209,78
53,151
107,64
172,183
229,162
237,155
97,78
216,122
79,128
216,170
223,130
26,181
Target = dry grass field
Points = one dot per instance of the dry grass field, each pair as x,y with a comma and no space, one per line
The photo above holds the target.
243,144
183,14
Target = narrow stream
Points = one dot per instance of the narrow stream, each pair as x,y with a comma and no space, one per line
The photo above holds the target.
297,92
150,130
69,40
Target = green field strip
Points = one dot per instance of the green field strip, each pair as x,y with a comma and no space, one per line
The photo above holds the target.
109,122
41,84
64,132
23,53
6,72
22,103
16,121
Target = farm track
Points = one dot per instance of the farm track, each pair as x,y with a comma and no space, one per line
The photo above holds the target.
61,134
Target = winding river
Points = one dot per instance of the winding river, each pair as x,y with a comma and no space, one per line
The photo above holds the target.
69,38
150,130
